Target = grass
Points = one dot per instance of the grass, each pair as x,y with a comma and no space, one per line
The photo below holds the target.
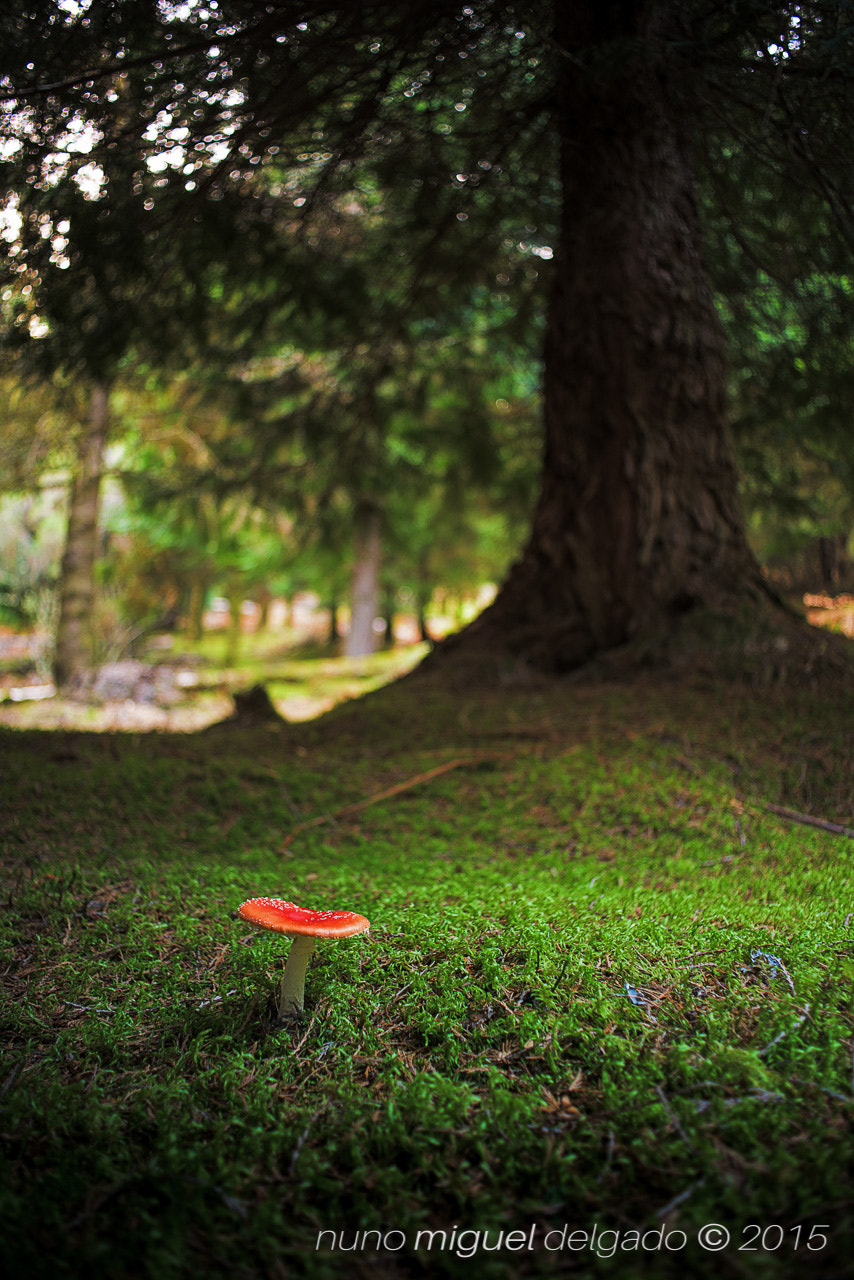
605,988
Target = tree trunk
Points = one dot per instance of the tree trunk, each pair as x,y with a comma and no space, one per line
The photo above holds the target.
832,561
364,601
232,635
73,648
389,610
423,626
196,608
423,597
638,519
334,635
263,598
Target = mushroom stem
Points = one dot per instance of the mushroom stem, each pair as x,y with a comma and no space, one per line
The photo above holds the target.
293,979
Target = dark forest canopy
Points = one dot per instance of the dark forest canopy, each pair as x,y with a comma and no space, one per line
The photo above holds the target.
608,134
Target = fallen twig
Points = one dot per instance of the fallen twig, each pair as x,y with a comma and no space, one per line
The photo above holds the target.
10,1080
609,1156
295,1154
687,963
680,1199
774,963
564,968
831,1093
674,1119
349,809
823,825
299,1044
213,999
761,1053
399,993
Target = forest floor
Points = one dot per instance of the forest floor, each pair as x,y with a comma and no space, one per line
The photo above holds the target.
605,1002
304,681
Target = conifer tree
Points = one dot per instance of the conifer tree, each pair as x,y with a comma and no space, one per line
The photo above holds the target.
468,123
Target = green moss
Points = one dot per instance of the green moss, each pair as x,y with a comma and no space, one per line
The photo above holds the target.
602,979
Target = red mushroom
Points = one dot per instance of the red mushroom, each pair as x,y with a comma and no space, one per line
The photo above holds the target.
303,926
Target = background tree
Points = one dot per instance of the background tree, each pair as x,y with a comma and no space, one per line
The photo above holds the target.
99,285
73,281
781,274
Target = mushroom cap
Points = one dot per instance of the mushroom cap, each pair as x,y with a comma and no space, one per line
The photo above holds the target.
294,921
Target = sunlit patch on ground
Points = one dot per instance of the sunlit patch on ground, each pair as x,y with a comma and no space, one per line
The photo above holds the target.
834,612
301,688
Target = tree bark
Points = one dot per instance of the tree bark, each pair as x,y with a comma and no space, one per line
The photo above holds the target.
334,634
196,607
638,518
73,646
364,599
423,627
389,611
263,598
233,633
